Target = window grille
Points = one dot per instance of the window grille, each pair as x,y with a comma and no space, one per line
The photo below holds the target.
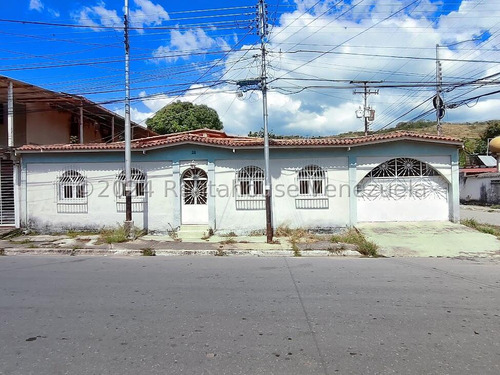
138,186
402,178
72,194
403,167
138,181
312,185
194,187
250,188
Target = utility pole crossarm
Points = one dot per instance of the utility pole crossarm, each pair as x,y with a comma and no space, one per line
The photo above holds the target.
367,113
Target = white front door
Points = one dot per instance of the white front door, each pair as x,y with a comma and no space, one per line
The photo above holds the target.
194,196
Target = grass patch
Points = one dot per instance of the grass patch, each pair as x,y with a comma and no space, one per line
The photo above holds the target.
352,236
484,228
21,242
228,241
114,235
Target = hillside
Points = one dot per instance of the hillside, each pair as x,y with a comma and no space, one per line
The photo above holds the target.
457,130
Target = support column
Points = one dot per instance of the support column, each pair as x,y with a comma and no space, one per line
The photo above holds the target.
454,189
212,195
353,199
17,192
113,129
81,123
177,194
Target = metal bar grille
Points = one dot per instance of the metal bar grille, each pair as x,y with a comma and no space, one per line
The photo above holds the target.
7,207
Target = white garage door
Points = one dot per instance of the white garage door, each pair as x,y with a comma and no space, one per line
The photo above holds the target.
403,189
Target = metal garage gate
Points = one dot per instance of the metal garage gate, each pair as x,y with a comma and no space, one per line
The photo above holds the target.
7,210
403,189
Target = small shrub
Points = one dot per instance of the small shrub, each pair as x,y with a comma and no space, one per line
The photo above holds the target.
283,230
148,252
230,235
256,233
2,252
116,235
352,236
172,232
295,248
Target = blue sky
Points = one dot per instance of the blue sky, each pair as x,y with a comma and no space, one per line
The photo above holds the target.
198,50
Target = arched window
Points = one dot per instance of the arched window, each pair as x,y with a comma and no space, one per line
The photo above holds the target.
72,187
312,181
138,179
250,181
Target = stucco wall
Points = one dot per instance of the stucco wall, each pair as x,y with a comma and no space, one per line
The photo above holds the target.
285,195
344,168
480,189
103,207
46,125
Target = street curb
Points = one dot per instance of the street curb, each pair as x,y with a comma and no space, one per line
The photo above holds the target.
184,252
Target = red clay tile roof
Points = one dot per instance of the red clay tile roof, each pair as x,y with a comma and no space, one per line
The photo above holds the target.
221,139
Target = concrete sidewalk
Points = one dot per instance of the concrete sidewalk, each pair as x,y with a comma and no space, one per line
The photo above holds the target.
164,245
431,239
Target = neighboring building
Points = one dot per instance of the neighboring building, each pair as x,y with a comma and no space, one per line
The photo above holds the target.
482,188
31,115
207,177
480,180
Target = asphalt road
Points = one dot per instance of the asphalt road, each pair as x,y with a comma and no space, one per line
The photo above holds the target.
235,315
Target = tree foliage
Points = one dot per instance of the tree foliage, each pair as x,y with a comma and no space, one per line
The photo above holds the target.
183,116
492,131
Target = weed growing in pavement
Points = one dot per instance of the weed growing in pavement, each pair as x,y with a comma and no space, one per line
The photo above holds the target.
295,248
148,252
485,228
21,242
353,236
173,233
220,253
228,241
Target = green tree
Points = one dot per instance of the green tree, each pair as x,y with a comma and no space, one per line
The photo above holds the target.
492,131
183,116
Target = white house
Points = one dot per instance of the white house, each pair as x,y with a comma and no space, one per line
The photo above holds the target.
208,177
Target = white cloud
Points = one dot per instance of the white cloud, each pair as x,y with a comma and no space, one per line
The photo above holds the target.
398,50
146,14
36,5
191,40
98,15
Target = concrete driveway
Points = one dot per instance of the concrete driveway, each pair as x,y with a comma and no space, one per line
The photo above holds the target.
430,239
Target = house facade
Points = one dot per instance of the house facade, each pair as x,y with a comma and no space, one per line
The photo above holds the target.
31,115
207,177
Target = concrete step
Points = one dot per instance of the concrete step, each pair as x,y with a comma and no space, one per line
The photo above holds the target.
195,232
